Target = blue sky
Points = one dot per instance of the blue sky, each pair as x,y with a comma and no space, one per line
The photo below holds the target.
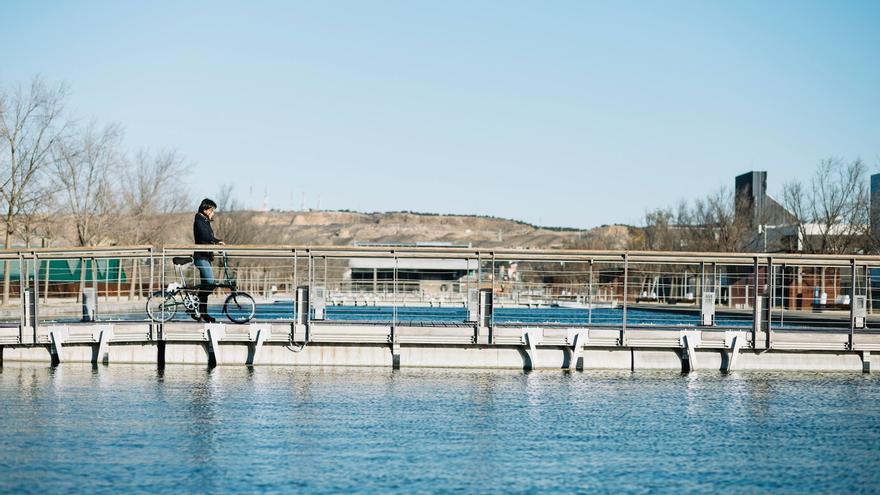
560,113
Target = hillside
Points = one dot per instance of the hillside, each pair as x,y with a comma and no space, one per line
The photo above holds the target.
346,228
339,228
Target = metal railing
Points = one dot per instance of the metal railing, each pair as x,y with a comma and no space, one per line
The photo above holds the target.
623,290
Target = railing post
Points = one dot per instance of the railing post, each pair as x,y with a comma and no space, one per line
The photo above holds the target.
36,307
479,271
22,298
625,289
395,337
491,322
756,305
702,280
95,284
295,286
590,296
27,325
311,270
771,296
852,306
151,282
161,288
394,297
784,293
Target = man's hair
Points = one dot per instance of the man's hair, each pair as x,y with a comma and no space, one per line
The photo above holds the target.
205,204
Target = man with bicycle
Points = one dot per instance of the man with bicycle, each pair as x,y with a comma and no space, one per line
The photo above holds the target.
204,234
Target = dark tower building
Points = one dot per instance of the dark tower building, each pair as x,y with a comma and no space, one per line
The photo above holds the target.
750,190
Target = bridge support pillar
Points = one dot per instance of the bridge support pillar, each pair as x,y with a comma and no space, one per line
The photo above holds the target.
578,339
104,334
733,341
216,331
866,361
57,337
395,355
531,338
689,340
257,334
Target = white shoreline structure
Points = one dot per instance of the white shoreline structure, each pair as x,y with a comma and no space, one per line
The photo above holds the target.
581,279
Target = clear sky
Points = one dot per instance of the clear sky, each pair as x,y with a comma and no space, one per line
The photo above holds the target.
560,113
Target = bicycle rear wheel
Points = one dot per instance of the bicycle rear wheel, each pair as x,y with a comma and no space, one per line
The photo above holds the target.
240,307
161,306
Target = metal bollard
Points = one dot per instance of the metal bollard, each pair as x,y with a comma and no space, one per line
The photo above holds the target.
707,309
859,311
486,307
302,305
319,302
89,304
28,331
473,305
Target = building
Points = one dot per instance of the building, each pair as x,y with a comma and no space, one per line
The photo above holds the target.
773,228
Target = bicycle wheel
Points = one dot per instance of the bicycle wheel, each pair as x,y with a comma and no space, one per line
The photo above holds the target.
161,306
239,307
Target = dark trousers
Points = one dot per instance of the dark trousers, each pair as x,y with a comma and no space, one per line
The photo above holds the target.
206,283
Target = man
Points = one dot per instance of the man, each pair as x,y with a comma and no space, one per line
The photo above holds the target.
204,234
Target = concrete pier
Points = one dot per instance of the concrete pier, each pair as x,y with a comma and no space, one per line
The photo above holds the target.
329,344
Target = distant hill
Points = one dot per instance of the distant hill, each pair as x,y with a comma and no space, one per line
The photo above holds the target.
341,228
346,228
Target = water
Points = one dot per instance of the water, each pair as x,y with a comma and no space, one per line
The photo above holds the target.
532,316
316,430
522,316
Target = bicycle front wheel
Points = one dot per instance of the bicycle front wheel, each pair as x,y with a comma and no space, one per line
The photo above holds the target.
240,307
161,306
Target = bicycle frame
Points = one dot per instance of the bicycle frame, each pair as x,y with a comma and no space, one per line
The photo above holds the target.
229,281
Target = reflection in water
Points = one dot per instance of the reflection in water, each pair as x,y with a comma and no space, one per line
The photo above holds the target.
187,429
200,423
759,399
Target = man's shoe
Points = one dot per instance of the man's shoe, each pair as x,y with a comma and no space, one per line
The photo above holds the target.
208,319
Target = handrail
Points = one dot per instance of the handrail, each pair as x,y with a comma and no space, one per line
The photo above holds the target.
613,256
635,256
78,251
665,257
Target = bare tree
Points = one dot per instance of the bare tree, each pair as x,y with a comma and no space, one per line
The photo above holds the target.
234,225
153,186
714,225
226,198
832,210
707,224
87,170
665,229
31,124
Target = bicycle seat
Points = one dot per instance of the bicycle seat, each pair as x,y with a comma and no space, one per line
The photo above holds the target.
181,260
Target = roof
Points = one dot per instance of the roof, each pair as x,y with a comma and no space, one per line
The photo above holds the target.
412,264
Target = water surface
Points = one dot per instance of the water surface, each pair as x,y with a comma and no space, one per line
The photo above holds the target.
317,430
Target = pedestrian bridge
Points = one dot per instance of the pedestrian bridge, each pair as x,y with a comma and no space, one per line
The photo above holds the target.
452,307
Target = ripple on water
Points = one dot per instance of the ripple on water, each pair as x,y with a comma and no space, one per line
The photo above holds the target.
420,430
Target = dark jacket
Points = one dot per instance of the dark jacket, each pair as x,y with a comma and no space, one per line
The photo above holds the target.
203,234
